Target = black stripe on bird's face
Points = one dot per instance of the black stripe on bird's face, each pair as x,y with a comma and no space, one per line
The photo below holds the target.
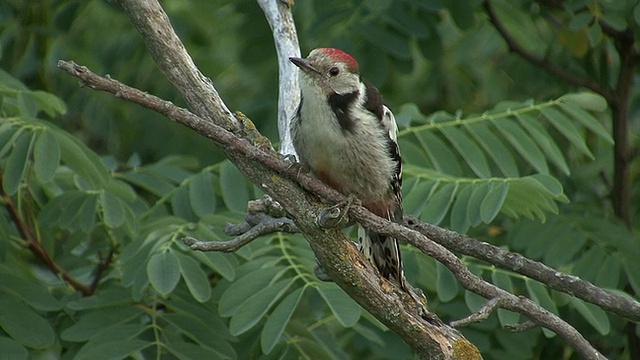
340,104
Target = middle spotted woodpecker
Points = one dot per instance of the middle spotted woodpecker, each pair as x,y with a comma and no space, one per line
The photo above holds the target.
345,135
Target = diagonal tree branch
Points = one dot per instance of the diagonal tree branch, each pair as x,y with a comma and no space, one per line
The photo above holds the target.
572,285
34,245
543,63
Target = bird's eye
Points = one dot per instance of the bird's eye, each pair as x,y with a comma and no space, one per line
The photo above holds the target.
334,71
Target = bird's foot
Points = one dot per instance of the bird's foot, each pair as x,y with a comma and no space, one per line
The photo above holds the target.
336,215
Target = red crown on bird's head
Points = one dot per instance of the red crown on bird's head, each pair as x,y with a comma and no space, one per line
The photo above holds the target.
341,56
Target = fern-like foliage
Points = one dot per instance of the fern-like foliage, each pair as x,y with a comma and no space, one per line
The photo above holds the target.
471,169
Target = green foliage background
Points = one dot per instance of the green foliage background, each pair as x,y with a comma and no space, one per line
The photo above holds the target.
493,147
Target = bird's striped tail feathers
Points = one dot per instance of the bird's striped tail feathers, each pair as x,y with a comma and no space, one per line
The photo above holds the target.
384,253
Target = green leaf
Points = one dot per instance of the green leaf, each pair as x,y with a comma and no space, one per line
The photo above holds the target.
49,103
148,182
87,213
468,149
546,182
479,192
416,199
194,277
30,292
244,287
46,156
595,316
114,350
200,330
61,209
459,218
27,104
408,22
278,319
492,203
503,281
342,306
24,325
69,208
110,334
12,350
441,156
632,269
585,100
567,129
201,195
494,147
385,39
446,283
8,136
17,164
188,351
94,322
109,296
609,274
163,271
473,301
439,203
594,33
540,295
218,262
580,21
81,159
588,120
254,308
544,140
523,144
234,189
180,204
112,209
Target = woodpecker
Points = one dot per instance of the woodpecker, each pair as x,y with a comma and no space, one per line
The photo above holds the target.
346,136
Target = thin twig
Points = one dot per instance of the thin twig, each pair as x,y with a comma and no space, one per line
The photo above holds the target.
103,264
37,249
543,63
480,315
527,325
267,225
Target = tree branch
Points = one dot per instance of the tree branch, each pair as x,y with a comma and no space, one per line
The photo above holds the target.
480,315
259,224
198,91
543,63
38,250
517,263
278,14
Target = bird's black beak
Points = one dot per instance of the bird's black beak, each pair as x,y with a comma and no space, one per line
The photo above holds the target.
303,64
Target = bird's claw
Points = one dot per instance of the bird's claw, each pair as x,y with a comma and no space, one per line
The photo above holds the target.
294,166
336,215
